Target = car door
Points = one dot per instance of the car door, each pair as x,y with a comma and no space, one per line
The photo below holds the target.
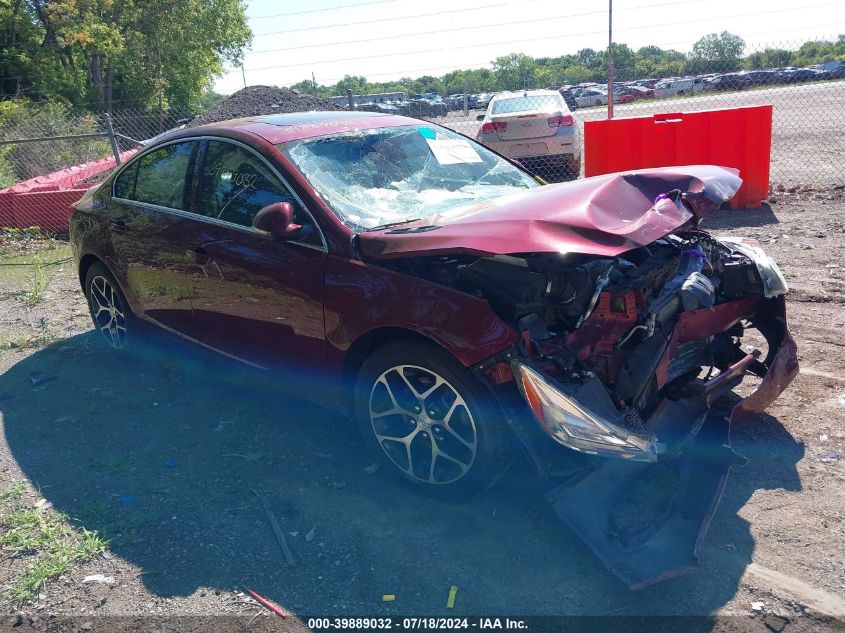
147,227
262,298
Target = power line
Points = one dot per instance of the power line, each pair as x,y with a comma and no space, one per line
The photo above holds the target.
481,64
436,31
354,5
380,20
533,39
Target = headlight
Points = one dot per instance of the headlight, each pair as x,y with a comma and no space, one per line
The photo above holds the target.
575,426
774,283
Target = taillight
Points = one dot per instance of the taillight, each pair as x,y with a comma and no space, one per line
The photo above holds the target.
564,120
494,126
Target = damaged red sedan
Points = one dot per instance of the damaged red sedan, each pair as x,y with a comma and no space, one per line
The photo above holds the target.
462,311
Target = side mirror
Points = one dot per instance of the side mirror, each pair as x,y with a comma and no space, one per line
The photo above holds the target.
480,117
277,220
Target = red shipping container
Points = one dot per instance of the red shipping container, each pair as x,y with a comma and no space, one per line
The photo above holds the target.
738,137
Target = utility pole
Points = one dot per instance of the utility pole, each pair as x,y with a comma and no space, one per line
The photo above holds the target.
243,74
610,59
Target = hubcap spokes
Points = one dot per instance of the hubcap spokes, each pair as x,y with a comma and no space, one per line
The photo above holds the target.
423,424
106,310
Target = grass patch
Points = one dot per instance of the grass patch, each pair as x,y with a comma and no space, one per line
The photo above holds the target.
13,492
33,295
47,537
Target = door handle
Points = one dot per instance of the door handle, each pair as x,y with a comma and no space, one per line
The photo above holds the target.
200,255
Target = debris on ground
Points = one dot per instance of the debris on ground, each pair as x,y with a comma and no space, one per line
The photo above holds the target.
267,603
250,457
371,469
44,506
258,100
775,623
450,601
100,579
757,606
309,536
290,559
829,458
388,597
39,378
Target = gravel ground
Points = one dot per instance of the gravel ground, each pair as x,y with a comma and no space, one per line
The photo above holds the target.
258,100
158,453
807,133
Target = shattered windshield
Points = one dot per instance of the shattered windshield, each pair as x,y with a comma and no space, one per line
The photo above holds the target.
381,176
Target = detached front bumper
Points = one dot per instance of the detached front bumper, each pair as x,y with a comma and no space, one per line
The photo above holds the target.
646,513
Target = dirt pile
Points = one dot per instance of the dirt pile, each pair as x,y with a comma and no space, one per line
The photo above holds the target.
258,100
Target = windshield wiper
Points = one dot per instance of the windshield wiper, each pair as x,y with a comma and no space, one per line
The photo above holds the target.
390,224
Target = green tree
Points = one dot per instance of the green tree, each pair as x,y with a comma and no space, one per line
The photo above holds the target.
768,58
149,52
514,71
717,52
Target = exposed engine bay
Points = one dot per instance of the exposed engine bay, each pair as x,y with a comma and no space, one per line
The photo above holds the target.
604,329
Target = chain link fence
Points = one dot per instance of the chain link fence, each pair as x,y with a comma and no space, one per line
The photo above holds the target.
49,155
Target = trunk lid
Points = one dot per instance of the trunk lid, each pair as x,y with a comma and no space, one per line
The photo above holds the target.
604,215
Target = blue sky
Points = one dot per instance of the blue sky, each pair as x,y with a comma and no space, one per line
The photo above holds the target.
388,39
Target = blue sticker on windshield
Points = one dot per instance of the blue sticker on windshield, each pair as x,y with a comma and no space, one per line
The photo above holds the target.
427,132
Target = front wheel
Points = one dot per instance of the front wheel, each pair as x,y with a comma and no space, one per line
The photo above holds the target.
109,309
430,421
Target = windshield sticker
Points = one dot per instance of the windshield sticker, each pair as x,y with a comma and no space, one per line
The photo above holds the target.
453,151
426,132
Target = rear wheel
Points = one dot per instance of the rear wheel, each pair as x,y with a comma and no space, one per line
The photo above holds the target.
108,307
598,102
430,421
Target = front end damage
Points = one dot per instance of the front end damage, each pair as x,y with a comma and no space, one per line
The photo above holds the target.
630,360
643,378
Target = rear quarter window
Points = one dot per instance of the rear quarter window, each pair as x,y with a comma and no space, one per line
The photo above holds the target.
162,175
124,184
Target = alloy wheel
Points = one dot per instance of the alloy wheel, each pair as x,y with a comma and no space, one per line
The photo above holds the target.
423,424
107,311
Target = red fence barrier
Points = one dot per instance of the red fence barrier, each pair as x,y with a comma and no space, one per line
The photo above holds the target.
45,201
739,137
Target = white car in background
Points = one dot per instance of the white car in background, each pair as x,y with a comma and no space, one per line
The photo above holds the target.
535,128
671,87
591,97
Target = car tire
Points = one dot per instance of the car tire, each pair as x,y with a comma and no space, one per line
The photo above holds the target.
440,406
598,102
109,309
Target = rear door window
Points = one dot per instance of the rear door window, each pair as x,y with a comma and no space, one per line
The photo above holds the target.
163,174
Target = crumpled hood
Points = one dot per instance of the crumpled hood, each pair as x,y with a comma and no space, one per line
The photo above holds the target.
604,215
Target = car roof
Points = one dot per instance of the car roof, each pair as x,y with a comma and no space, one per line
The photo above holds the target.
525,93
282,128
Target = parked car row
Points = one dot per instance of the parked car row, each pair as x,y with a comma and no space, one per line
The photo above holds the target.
595,94
431,104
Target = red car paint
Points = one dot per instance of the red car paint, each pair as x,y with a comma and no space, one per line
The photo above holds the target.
605,215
